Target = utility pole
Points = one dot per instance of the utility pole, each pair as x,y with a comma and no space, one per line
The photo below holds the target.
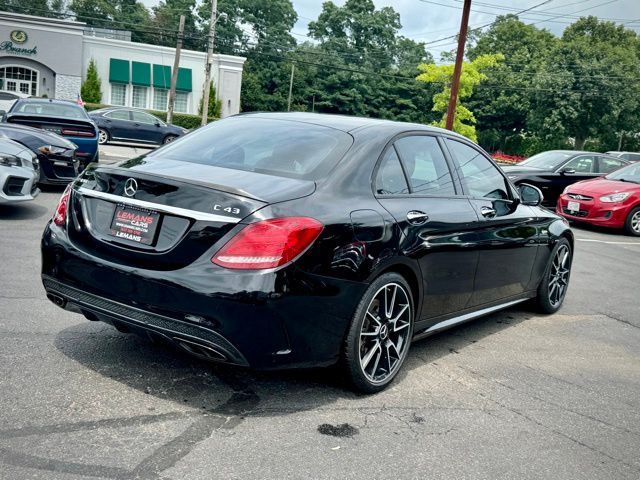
207,68
293,67
174,73
455,83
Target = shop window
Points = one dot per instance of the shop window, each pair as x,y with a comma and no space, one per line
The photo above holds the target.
160,99
118,94
19,79
181,103
139,97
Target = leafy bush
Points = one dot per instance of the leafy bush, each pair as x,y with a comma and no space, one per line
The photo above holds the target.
90,89
215,104
184,120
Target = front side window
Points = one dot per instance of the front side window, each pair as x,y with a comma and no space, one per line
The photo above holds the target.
390,179
425,165
142,117
479,176
139,97
118,94
608,165
581,164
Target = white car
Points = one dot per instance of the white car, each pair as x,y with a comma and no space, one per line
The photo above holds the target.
19,172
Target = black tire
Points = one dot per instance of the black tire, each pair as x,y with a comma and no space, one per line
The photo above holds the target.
632,223
550,298
399,331
103,136
169,139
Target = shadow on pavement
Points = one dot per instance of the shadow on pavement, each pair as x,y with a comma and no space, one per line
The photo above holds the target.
22,211
172,375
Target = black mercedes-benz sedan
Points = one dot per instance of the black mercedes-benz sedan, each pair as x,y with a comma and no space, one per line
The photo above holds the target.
554,170
299,240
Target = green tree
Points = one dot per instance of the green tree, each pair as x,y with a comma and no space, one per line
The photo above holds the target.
501,103
41,8
166,19
90,89
588,85
129,15
471,75
215,105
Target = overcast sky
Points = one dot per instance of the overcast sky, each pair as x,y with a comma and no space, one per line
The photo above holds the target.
428,20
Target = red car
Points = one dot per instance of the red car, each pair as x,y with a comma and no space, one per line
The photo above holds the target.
609,201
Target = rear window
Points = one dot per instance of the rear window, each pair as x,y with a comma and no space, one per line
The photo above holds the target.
50,109
274,147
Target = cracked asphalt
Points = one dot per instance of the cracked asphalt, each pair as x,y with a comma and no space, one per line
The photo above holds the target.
513,395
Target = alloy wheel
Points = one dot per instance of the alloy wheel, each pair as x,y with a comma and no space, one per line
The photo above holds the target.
384,334
559,275
103,137
635,222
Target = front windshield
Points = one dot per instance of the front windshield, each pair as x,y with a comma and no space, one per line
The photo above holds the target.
51,109
630,173
547,160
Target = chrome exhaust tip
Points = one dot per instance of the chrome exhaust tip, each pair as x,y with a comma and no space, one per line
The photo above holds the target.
57,299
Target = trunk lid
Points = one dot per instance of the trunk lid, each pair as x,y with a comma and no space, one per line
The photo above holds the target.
163,215
65,127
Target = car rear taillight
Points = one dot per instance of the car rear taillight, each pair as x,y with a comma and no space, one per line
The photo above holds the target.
72,132
60,216
269,243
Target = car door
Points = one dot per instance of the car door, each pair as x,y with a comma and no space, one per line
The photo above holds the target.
506,232
582,167
118,123
414,183
146,127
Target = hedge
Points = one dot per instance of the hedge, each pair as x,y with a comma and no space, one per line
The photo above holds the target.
184,120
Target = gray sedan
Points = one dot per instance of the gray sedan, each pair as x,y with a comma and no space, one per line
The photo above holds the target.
19,172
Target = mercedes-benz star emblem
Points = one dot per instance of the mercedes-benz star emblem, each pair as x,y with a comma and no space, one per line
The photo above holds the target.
130,187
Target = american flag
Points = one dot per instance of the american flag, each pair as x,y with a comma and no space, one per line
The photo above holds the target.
79,100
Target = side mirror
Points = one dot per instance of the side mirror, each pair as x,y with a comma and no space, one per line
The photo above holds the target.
530,195
158,124
567,171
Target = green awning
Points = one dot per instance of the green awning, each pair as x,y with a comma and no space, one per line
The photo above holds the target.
118,70
161,76
141,74
184,80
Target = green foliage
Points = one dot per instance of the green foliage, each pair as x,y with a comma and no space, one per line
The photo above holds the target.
184,120
215,105
90,90
470,76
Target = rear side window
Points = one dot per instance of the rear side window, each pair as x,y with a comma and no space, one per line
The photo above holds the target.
425,165
118,115
479,176
275,147
390,179
608,165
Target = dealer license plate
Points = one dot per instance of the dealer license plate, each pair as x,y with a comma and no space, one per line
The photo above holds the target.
573,207
134,224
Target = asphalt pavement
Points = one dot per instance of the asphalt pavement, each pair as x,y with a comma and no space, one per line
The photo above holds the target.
513,395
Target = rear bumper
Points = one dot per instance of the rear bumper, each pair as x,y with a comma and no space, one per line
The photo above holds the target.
57,169
594,212
281,319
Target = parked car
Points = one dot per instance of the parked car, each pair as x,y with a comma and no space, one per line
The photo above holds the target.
61,117
298,240
612,201
56,155
133,125
553,170
629,156
7,99
19,172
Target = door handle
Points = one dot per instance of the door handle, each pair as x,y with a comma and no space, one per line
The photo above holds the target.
415,217
488,212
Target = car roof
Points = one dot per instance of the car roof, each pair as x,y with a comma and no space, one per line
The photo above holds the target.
346,123
47,100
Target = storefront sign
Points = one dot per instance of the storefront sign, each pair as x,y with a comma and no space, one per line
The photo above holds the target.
18,37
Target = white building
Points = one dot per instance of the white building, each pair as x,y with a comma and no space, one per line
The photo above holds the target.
43,56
